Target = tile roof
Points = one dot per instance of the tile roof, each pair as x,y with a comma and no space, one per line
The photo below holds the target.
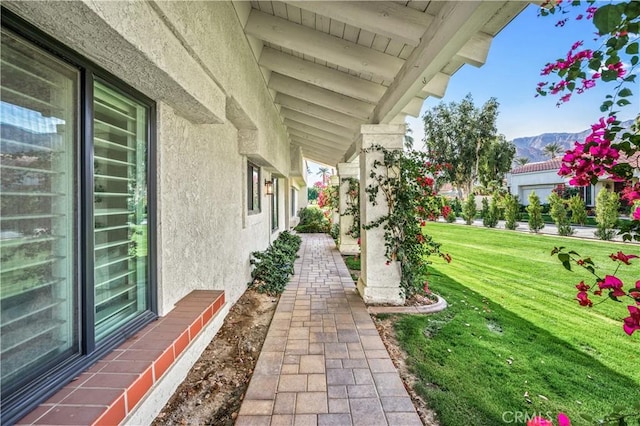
541,166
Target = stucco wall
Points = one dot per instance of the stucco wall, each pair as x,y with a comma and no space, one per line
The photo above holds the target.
542,183
193,59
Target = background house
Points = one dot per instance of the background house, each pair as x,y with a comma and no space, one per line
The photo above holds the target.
542,177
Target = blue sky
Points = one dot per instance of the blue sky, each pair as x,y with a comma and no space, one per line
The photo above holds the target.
511,73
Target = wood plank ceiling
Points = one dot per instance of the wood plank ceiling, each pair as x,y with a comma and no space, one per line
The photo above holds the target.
334,65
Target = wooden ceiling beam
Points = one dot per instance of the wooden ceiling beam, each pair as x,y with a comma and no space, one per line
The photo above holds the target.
314,110
389,19
323,46
319,96
306,129
318,123
321,76
454,25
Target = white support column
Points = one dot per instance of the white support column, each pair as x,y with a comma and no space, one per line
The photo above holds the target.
379,282
335,213
348,244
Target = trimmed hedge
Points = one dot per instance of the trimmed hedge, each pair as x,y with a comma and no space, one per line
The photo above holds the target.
273,266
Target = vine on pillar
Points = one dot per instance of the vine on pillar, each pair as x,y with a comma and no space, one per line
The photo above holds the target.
407,181
353,207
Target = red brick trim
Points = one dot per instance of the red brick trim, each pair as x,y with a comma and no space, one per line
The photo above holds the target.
108,391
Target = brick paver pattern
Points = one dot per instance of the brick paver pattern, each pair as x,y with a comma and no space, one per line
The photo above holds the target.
323,362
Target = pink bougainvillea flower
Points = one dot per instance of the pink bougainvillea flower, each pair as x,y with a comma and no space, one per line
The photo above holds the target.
631,193
563,420
632,322
636,214
581,286
624,258
583,299
612,282
539,421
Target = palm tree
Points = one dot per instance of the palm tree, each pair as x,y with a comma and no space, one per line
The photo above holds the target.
552,150
324,171
521,161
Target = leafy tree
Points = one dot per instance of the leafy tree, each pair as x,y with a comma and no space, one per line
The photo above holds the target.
469,209
511,211
607,205
521,161
559,214
578,210
534,209
552,150
312,193
496,161
459,134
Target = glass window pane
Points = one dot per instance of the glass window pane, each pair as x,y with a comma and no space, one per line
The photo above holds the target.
120,209
256,187
38,127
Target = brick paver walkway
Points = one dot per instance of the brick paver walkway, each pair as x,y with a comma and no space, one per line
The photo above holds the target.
323,362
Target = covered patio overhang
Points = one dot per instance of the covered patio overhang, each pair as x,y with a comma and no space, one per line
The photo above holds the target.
334,66
344,75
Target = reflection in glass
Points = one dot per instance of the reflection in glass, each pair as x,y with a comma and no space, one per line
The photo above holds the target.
37,228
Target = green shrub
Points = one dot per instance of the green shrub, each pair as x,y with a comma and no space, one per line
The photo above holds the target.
492,216
607,205
456,206
484,212
560,215
534,209
273,266
469,209
312,220
578,210
335,232
451,217
511,211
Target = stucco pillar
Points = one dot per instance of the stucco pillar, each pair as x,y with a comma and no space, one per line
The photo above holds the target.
379,282
335,213
348,244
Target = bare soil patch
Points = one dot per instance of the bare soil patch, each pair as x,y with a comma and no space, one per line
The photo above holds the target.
214,388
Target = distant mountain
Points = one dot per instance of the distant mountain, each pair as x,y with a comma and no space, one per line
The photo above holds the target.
532,146
16,140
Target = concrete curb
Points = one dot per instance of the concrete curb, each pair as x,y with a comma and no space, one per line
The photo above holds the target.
440,305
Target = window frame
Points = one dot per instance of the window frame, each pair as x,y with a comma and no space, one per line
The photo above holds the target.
251,207
275,201
37,389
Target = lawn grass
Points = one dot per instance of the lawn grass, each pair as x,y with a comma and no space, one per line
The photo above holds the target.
352,262
512,329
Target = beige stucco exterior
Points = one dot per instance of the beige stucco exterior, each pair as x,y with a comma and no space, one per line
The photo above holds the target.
214,114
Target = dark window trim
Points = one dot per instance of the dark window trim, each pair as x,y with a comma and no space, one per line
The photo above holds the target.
251,208
275,205
20,402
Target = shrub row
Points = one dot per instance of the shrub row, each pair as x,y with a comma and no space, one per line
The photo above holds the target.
312,220
273,266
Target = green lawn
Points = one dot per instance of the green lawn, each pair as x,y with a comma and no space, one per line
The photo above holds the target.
513,340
